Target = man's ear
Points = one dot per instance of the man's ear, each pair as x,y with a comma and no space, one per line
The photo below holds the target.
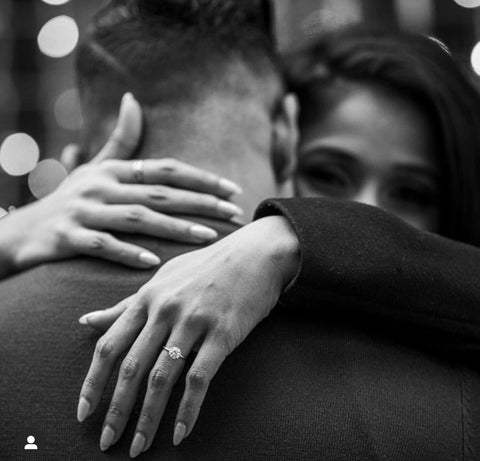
285,138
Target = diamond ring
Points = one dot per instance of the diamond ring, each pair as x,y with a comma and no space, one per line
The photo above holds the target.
138,174
174,352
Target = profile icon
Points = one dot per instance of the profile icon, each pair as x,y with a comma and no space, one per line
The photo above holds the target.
30,443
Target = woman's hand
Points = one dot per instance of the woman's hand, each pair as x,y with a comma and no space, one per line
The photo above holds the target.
208,301
109,195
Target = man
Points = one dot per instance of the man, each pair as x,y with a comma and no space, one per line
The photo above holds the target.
298,388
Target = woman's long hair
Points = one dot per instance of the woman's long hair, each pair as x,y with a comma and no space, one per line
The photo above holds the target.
421,70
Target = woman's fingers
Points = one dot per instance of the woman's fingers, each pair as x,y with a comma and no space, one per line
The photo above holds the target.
103,320
108,350
173,173
140,219
162,378
209,359
105,246
127,133
135,366
171,200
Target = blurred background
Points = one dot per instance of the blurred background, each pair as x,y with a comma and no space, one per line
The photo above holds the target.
39,111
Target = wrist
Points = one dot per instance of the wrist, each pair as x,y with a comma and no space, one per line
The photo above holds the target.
283,247
17,239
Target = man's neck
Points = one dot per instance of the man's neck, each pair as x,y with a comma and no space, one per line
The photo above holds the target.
223,135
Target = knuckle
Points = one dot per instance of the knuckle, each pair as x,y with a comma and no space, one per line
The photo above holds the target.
188,407
167,311
136,213
145,419
159,193
129,368
159,378
169,165
75,208
137,312
90,383
104,348
196,319
98,242
198,379
115,410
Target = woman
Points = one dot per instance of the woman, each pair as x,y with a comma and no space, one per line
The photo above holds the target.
425,170
353,80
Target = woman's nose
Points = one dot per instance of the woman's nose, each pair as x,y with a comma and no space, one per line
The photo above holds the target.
369,195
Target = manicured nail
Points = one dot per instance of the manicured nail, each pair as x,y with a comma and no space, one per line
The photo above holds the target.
83,320
106,440
203,233
149,258
230,208
138,445
83,409
127,97
230,186
179,434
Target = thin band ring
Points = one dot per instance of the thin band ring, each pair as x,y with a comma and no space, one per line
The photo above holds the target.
138,173
174,353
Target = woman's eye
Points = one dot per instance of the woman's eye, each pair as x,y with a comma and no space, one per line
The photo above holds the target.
417,196
325,175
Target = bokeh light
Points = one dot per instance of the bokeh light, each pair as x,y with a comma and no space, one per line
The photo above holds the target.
46,177
468,3
475,58
56,2
67,110
58,37
19,154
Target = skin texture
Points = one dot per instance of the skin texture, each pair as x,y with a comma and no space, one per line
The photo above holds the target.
241,137
373,147
104,196
231,135
362,166
212,322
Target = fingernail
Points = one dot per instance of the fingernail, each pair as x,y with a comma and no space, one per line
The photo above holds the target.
127,97
83,320
203,233
149,258
230,186
179,434
83,409
138,445
230,208
106,440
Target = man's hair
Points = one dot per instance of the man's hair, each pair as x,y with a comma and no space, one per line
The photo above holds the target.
173,51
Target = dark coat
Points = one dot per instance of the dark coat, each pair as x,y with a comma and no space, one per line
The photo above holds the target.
302,386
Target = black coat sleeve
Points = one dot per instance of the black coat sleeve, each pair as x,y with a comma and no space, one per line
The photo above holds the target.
366,264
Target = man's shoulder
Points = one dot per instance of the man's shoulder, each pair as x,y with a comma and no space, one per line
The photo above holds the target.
88,278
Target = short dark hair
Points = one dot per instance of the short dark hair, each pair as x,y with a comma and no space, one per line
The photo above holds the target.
171,51
421,70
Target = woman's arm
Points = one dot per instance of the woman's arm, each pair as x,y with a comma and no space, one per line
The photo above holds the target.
343,259
105,196
359,262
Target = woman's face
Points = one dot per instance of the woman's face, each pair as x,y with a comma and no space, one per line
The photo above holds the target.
375,148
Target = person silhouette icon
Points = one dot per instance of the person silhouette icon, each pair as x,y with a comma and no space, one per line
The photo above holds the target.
30,443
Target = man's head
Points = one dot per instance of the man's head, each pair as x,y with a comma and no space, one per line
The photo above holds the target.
207,78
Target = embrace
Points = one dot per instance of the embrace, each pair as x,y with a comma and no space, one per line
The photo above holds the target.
254,258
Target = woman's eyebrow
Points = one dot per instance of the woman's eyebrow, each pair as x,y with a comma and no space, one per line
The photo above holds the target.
337,153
